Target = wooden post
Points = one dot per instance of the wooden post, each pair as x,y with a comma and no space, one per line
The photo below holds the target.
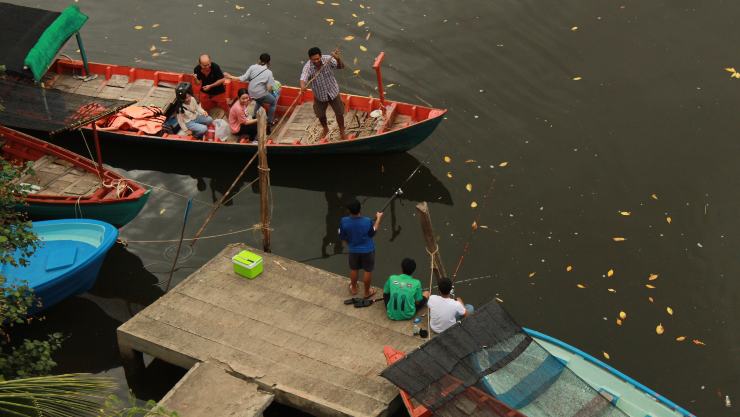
264,171
431,243
98,152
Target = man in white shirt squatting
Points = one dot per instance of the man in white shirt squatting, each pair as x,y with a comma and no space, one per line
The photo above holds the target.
443,310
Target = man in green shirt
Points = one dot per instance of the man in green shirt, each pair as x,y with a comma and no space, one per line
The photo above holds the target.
402,293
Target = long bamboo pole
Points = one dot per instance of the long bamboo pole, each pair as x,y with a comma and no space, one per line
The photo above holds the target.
431,243
264,171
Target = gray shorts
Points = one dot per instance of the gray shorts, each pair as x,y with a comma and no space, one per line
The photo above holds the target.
319,107
364,261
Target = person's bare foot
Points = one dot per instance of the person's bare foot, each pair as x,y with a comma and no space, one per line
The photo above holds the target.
370,293
324,133
353,288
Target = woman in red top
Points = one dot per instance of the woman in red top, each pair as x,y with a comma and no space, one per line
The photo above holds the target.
240,121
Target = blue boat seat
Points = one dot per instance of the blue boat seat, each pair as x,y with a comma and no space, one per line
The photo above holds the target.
534,384
62,257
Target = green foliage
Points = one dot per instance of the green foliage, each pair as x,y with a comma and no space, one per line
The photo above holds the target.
28,358
70,395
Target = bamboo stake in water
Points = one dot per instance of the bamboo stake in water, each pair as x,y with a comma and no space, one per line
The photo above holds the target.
179,244
264,171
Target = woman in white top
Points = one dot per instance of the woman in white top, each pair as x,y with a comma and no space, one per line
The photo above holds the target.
191,116
445,311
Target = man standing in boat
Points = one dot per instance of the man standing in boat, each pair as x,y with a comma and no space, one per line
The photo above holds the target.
211,79
324,86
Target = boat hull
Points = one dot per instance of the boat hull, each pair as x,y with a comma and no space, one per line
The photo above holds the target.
67,261
117,213
395,141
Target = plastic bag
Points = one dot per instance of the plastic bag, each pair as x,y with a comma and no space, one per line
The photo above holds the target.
222,129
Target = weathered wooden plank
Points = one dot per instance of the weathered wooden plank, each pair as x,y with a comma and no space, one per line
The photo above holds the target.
208,390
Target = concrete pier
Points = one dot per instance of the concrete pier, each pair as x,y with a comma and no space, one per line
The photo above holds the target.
287,332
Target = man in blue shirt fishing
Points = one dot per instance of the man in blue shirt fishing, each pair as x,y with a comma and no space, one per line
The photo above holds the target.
358,232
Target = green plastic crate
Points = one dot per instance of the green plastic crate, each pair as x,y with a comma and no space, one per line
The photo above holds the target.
247,264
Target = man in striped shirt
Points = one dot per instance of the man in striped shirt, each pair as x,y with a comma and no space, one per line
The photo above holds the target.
324,86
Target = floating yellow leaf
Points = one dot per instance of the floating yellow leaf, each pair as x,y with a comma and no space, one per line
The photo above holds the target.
577,78
239,7
447,159
390,85
138,27
367,37
652,287
354,61
335,4
503,164
499,300
362,6
611,290
449,174
606,355
680,338
618,239
470,161
319,2
363,48
473,204
155,54
156,25
348,38
659,329
361,23
619,322
161,212
625,213
574,28
731,70
668,219
474,226
735,75
654,196
652,277
651,299
469,187
531,274
568,268
610,273
356,72
152,48
354,14
669,310
698,342
580,286
623,315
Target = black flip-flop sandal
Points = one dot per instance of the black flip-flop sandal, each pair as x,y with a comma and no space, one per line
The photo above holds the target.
364,302
352,300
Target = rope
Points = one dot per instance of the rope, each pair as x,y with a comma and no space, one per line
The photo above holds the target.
89,152
254,227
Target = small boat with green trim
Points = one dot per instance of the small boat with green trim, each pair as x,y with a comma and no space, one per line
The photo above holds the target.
62,184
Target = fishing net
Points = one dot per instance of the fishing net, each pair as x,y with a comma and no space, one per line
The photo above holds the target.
487,366
24,105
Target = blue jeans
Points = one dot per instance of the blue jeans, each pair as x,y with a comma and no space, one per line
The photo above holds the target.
269,99
199,126
469,308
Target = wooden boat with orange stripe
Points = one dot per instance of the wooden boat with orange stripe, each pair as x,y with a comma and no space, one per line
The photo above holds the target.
400,126
63,184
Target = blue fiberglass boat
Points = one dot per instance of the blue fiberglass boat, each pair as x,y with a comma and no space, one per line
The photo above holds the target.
625,394
67,261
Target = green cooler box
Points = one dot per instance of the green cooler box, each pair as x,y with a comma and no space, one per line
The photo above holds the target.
247,264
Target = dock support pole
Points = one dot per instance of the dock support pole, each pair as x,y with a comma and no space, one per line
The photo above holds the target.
431,243
264,171
133,362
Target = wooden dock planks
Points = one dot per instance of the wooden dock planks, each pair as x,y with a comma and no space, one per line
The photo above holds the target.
194,395
287,330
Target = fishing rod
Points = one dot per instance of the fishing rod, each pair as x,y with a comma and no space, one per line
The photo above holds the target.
399,190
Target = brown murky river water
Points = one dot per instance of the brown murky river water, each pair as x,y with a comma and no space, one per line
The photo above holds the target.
579,110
